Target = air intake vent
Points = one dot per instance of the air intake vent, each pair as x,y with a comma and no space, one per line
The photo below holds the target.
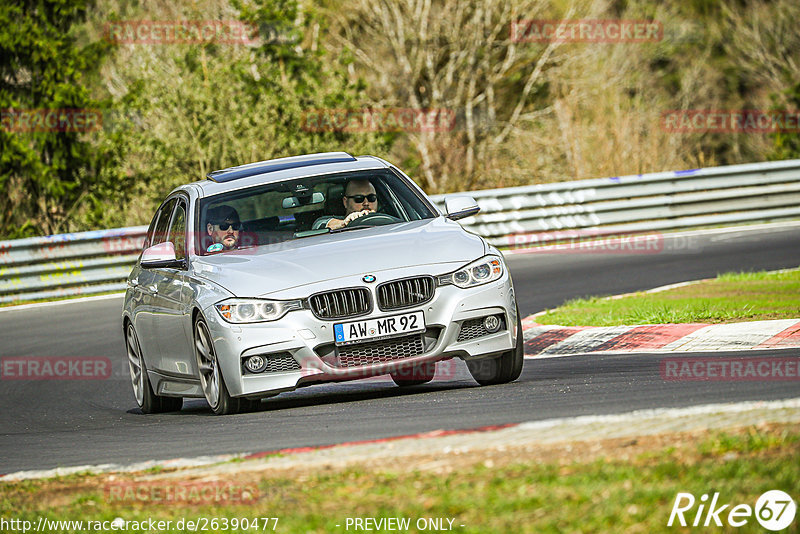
405,293
282,361
277,362
341,304
385,350
473,328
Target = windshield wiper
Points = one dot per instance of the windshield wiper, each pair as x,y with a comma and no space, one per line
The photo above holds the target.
346,228
309,233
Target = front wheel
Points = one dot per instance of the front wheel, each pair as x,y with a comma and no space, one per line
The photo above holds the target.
148,401
211,381
502,369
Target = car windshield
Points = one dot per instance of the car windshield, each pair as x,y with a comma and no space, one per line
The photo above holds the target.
295,209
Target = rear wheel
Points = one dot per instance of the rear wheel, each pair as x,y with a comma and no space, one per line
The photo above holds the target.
211,381
502,369
416,375
148,401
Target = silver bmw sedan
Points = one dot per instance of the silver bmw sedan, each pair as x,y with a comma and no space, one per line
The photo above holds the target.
319,268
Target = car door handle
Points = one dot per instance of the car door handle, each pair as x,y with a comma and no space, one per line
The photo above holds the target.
133,283
153,290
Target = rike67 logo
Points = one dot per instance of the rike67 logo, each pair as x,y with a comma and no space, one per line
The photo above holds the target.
774,510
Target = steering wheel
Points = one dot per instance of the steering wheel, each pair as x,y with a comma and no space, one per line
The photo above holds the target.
375,219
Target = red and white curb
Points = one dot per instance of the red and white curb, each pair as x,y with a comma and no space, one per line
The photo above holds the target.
552,340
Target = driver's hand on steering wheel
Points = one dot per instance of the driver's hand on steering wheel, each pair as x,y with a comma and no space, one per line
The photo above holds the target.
335,224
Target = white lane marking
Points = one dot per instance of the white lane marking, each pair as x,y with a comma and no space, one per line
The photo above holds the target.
580,428
59,302
121,468
720,337
666,413
659,352
730,229
675,235
658,289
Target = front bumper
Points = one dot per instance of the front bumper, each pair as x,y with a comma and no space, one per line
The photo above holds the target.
309,340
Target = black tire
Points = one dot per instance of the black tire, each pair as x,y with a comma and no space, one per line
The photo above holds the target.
501,369
148,401
416,375
211,380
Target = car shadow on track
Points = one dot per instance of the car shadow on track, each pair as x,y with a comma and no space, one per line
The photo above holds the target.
357,391
324,395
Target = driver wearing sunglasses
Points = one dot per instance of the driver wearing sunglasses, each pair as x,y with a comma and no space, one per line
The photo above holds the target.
223,227
359,200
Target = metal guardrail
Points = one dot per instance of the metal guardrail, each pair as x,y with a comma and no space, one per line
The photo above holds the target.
623,205
68,264
99,261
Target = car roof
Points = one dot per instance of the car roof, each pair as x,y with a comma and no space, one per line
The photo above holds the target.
277,170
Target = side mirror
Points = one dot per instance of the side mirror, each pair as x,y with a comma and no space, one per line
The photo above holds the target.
161,256
460,206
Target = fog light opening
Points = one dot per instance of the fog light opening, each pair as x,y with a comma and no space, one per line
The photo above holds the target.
255,364
492,324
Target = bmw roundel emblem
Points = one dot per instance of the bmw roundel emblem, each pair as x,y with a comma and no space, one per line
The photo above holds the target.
368,278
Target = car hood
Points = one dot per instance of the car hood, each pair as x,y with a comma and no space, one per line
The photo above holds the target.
262,270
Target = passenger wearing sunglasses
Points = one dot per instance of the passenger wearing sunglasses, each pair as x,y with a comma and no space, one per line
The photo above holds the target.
359,200
223,227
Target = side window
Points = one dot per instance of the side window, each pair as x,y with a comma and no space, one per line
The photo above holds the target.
148,239
177,232
160,231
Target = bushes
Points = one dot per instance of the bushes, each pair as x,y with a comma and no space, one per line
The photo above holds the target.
523,112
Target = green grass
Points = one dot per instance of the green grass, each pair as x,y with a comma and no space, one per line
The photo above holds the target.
730,297
601,493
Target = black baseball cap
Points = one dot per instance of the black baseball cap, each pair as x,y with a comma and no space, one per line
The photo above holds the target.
222,213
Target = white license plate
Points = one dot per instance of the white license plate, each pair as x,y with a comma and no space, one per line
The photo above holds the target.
380,328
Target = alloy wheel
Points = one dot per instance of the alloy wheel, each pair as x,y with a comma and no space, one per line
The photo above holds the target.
135,365
207,363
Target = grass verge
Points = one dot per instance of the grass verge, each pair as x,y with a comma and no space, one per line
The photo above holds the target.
622,485
730,297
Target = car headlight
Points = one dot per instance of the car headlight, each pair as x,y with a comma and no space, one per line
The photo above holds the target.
482,271
255,310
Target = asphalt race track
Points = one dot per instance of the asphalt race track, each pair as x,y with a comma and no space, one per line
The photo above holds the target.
45,424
